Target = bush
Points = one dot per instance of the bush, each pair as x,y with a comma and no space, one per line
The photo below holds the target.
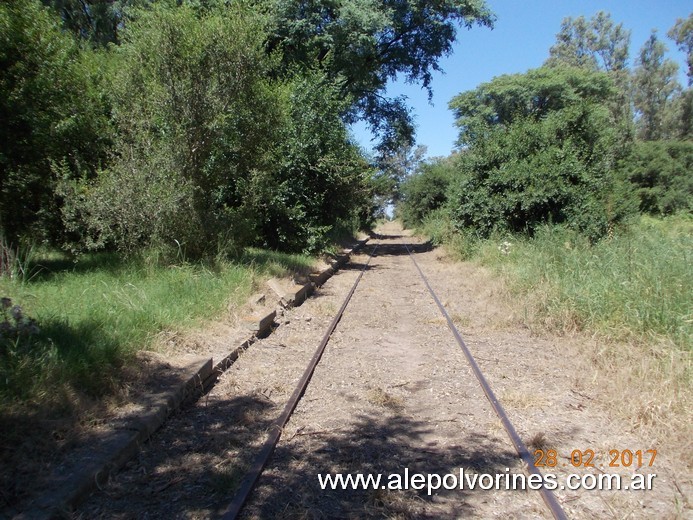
661,174
213,151
51,112
321,177
195,118
540,149
425,191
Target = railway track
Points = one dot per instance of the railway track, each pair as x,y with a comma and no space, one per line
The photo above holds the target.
391,387
245,489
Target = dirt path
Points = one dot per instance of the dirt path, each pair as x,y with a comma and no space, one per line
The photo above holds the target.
393,393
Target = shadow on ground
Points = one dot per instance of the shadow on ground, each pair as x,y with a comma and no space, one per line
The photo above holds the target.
378,444
41,444
208,452
385,249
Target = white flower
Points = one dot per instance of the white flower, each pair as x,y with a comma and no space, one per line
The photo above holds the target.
505,247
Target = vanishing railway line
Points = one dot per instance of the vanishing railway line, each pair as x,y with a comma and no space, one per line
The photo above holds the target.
386,389
275,431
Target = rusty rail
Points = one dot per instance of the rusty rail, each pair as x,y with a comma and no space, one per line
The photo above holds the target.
258,465
546,494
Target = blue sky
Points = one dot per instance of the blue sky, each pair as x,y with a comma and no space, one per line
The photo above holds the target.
523,33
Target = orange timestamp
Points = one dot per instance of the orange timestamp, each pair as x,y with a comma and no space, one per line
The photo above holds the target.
586,458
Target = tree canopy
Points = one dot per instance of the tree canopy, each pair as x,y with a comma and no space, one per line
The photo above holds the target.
52,113
655,88
534,95
131,123
578,142
363,44
682,34
597,44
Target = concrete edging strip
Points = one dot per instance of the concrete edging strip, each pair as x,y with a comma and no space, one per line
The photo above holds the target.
116,446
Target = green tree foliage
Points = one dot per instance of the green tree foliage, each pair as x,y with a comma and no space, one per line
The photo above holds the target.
661,172
98,21
52,114
682,34
598,44
426,190
211,150
395,166
538,148
362,44
195,118
595,44
187,124
655,88
321,178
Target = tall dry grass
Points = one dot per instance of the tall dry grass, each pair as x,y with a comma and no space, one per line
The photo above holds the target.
629,302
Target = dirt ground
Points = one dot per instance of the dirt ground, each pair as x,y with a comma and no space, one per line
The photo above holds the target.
393,393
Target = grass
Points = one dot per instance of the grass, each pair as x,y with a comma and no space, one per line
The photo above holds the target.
633,287
379,397
95,313
628,297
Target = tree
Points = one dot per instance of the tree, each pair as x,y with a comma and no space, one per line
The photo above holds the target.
426,190
655,87
52,114
321,181
212,151
196,116
661,174
395,166
362,44
98,21
538,148
535,95
595,44
598,44
682,34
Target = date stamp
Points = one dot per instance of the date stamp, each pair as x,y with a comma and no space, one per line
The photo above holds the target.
588,458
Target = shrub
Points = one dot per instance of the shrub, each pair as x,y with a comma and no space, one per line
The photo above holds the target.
540,149
321,177
195,118
51,112
661,174
425,191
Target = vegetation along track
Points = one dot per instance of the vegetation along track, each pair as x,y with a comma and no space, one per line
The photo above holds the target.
390,394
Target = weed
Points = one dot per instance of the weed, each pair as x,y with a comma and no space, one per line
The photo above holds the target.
15,261
379,397
91,315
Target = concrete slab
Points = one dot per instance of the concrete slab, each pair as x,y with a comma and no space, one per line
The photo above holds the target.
290,293
260,322
320,277
113,445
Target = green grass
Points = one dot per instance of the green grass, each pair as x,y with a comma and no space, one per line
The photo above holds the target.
94,314
636,285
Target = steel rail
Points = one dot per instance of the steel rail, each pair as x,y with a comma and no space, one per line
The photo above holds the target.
277,427
546,494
